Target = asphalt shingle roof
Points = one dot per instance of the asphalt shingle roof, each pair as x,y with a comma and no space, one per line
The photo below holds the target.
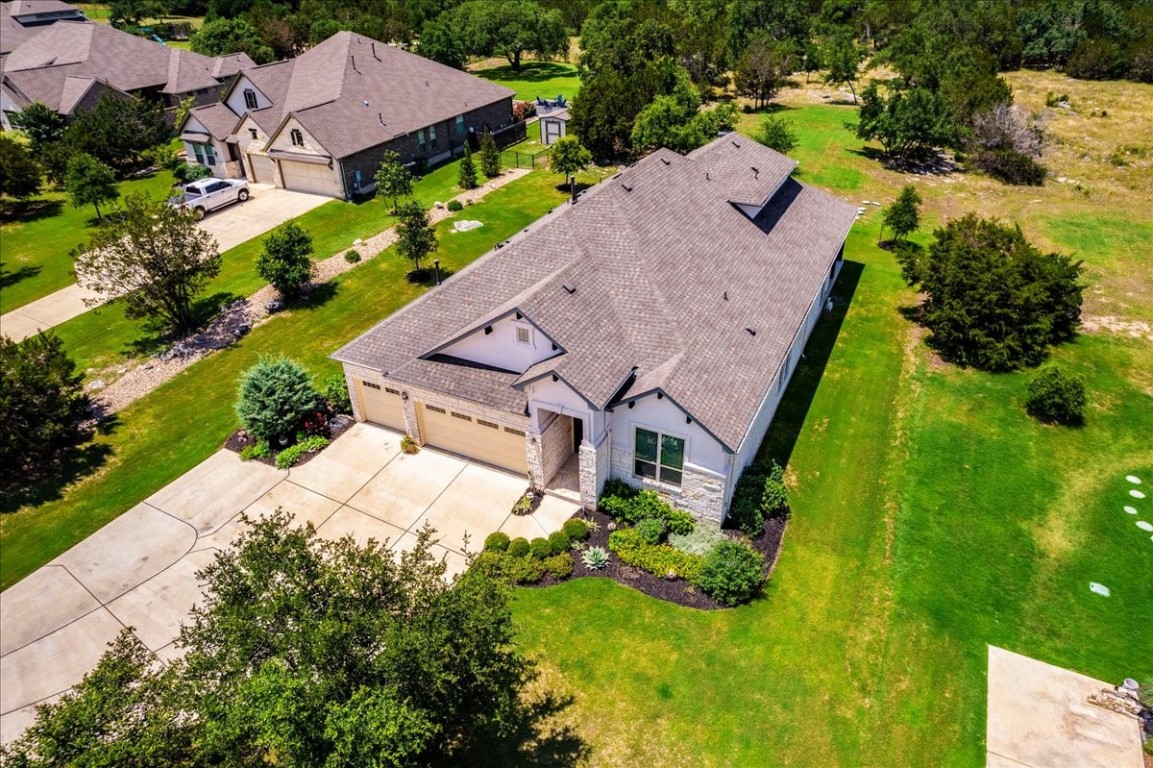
326,88
668,275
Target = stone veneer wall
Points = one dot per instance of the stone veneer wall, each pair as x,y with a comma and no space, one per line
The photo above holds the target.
555,446
701,493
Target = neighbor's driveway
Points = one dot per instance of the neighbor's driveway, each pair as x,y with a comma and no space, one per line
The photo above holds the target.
232,225
139,570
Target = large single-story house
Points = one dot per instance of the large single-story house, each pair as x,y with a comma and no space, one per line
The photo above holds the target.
51,54
320,122
645,332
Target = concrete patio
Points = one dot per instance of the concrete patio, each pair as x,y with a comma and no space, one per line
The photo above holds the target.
139,570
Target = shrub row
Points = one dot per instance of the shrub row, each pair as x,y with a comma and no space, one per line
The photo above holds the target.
658,559
760,494
523,569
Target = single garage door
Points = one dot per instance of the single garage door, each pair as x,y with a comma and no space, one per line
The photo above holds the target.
310,177
262,170
475,438
381,405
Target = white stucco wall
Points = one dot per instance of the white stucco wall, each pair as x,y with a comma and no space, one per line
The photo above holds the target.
546,397
662,415
500,348
235,100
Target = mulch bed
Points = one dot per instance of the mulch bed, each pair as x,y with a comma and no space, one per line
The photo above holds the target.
677,591
240,439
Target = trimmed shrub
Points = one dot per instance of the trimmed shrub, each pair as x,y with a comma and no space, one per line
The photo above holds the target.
777,133
559,542
659,559
1056,397
559,566
761,493
524,570
276,395
497,541
700,541
290,455
334,390
540,548
454,205
732,573
651,530
576,529
491,564
518,547
352,256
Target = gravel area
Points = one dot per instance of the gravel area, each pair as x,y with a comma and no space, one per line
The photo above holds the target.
236,319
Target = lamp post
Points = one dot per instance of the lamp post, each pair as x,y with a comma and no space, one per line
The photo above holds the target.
436,268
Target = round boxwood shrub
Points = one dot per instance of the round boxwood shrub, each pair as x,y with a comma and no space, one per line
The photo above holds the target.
276,395
576,529
518,547
497,541
524,570
559,566
732,573
559,541
455,205
491,564
1056,397
540,548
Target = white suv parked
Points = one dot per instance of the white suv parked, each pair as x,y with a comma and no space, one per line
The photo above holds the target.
209,194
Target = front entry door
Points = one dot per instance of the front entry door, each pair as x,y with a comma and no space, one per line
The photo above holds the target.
578,434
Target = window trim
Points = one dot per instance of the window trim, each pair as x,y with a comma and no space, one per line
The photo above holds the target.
659,467
420,145
252,132
296,136
250,103
432,136
459,126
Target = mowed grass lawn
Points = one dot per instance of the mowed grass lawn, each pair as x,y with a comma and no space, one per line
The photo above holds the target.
104,337
181,423
37,238
546,79
931,518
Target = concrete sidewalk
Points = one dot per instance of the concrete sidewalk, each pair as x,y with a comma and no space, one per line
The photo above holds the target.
268,208
139,570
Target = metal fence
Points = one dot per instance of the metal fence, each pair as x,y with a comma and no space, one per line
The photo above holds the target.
515,158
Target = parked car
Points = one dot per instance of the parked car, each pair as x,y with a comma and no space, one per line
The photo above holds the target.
209,194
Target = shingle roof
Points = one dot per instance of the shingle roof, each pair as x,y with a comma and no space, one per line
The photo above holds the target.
217,118
29,7
668,274
326,88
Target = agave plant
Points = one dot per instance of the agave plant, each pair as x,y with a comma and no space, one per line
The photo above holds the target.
595,558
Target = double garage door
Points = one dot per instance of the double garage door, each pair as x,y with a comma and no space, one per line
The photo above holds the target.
473,437
310,177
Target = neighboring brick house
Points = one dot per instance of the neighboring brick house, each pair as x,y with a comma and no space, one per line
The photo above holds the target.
645,332
51,54
320,122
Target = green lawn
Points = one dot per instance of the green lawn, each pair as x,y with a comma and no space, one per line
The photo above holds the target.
36,239
105,336
175,427
546,79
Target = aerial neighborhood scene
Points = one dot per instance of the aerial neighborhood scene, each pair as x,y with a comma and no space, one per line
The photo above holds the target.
576,383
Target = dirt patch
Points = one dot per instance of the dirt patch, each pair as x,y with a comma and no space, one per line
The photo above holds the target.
678,591
1134,329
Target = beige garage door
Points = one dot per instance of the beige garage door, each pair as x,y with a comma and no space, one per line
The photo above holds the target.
472,437
310,177
381,405
262,170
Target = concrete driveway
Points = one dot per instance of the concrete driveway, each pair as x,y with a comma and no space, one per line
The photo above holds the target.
268,207
139,570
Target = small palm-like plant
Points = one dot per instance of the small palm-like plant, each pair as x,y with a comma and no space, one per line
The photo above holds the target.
595,558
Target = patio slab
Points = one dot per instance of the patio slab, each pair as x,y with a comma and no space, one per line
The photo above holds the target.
1039,717
211,493
132,548
69,601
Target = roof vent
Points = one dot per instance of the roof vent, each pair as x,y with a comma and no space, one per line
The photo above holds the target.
626,187
756,172
366,102
487,330
570,288
752,331
707,177
354,69
726,295
735,144
380,117
666,161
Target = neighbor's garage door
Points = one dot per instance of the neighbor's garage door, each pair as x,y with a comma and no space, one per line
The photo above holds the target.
262,170
310,177
380,405
473,437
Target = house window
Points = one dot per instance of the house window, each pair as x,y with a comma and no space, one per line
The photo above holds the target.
253,134
459,126
198,150
209,154
432,136
784,377
250,98
297,137
420,140
659,457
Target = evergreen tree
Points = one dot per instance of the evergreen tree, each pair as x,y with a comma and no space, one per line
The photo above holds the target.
42,126
489,156
276,395
416,237
466,179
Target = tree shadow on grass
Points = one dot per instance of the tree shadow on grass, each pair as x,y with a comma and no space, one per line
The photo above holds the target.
427,276
794,408
530,72
9,279
581,186
74,464
23,212
533,741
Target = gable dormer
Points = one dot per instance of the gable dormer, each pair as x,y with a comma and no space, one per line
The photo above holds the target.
510,342
245,97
